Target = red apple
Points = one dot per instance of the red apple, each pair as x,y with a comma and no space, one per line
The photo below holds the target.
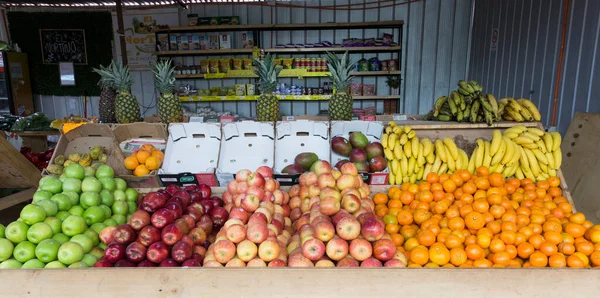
212,263
349,169
368,203
373,228
268,250
157,252
257,233
107,235
371,262
191,222
348,261
295,214
148,235
337,248
172,188
242,175
329,206
295,202
256,179
168,263
278,197
324,264
384,249
182,225
114,252
321,167
179,200
324,231
205,191
265,171
162,217
125,234
250,203
135,252
348,228
228,197
224,250
232,187
236,233
146,263
195,195
153,201
345,181
175,209
299,260
313,249
198,235
181,251
184,195
205,206
242,187
191,263
360,249
235,262
188,239
336,218
124,263
102,262
256,262
139,219
394,263
326,180
219,215
171,234
190,188
247,250
199,249
217,202
256,191
350,202
277,263
198,257
270,184
205,223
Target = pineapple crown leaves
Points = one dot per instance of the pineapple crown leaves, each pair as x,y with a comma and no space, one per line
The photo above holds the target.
121,76
267,72
164,76
106,80
340,70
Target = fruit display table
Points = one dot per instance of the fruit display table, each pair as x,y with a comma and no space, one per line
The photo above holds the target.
37,140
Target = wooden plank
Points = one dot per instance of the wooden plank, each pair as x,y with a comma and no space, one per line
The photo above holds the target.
300,282
17,198
279,50
283,27
581,163
15,170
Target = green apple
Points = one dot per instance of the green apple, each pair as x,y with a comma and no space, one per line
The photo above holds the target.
49,206
55,265
24,251
73,196
110,222
11,264
76,210
62,177
70,252
131,194
61,238
131,206
120,207
38,232
93,215
41,195
32,214
50,184
74,170
47,250
62,215
91,184
89,260
73,225
97,252
88,199
79,264
119,195
119,218
72,185
16,231
102,246
107,211
85,242
97,227
6,249
89,172
54,223
33,264
120,184
107,197
108,183
92,235
63,201
2,230
104,171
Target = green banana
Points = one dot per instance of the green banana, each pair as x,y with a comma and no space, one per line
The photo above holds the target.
438,105
476,85
453,107
485,103
474,111
494,105
465,85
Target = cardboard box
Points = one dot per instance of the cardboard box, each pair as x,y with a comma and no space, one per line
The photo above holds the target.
195,43
295,137
373,130
247,40
397,117
204,42
245,145
305,117
192,154
225,41
213,42
130,137
85,137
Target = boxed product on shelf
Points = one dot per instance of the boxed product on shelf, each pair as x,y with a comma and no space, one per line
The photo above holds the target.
295,137
130,137
373,131
245,145
209,21
213,42
225,41
183,43
247,40
229,20
192,154
195,43
192,19
173,43
204,43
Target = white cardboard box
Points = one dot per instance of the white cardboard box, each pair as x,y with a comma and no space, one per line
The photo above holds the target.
295,137
245,145
192,148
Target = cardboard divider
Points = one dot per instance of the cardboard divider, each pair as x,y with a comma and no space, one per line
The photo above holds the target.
295,137
192,154
245,145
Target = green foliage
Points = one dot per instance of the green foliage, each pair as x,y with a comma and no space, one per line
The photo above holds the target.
24,29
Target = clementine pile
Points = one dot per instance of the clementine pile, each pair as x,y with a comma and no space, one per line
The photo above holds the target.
144,160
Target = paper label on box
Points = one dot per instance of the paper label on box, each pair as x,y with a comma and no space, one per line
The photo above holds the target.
398,117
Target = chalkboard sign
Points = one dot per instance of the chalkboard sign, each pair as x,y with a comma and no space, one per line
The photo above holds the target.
63,45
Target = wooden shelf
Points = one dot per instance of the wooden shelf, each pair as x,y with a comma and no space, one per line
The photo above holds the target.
224,52
282,27
314,74
281,98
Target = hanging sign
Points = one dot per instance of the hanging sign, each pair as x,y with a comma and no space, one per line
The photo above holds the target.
63,45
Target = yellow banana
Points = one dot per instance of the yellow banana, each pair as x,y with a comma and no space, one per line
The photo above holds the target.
430,157
510,151
443,169
412,134
452,149
557,154
406,179
540,156
556,140
519,174
389,130
392,123
531,108
420,172
517,154
530,146
413,178
523,140
404,167
426,171
523,158
501,152
399,175
392,139
395,166
408,149
440,150
531,136
512,103
480,153
411,165
513,130
496,142
464,159
415,147
398,130
407,129
533,162
541,145
497,168
398,152
436,164
391,179
552,172
522,128
548,141
512,135
487,159
536,131
384,140
471,165
403,139
427,146
388,153
451,164
543,168
530,175
420,156
526,115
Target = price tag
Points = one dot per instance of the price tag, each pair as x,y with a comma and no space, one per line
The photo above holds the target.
398,117
223,97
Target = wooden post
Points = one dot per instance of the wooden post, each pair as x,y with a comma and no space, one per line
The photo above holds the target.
121,31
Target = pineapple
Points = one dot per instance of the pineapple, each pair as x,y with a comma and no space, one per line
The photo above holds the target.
127,108
340,104
169,107
107,95
267,105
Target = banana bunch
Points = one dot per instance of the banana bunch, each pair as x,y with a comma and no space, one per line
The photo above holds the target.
518,110
95,155
85,160
500,155
468,103
541,156
410,159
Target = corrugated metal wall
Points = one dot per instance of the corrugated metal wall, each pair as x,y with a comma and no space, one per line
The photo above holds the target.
435,52
525,61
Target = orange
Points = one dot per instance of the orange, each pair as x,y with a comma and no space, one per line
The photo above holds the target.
484,240
392,228
548,248
426,237
421,215
595,258
452,241
457,180
524,250
482,263
456,223
433,177
439,254
458,256
497,245
501,258
141,170
575,262
153,163
410,244
553,181
482,183
404,217
131,162
554,191
394,204
496,179
553,237
578,218
557,260
474,220
158,154
397,239
566,248
406,197
536,240
380,198
449,186
586,248
508,237
584,258
419,255
576,230
142,156
482,171
469,188
481,205
147,147
474,252
538,259
408,232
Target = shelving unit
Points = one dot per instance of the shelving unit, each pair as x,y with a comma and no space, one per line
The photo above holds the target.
256,29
